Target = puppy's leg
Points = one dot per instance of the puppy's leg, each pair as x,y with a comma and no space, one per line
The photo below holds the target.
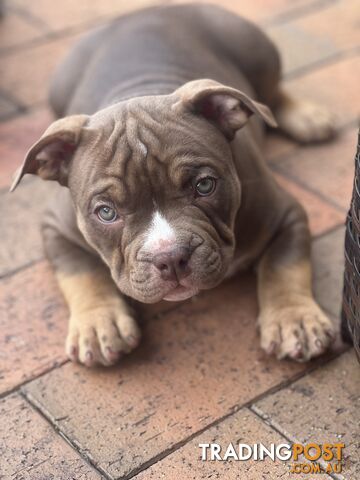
303,120
101,326
291,323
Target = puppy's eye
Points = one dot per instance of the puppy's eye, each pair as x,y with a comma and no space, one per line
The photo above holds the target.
106,214
205,186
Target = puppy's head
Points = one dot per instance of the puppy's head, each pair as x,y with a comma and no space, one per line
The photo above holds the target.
154,185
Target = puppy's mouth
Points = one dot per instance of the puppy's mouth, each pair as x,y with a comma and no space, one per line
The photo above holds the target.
180,292
150,283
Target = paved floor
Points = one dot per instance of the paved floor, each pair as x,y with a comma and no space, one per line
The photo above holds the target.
199,374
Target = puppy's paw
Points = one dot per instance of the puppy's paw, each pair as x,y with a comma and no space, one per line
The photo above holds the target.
305,122
101,336
298,332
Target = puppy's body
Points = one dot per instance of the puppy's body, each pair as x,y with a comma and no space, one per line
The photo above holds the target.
143,128
155,51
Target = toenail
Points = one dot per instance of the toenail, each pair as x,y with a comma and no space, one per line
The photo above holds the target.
330,334
112,353
272,348
133,341
73,351
318,343
89,356
298,353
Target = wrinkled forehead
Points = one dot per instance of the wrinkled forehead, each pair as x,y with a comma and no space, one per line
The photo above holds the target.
146,144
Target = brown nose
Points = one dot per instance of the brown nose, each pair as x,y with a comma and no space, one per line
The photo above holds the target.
173,264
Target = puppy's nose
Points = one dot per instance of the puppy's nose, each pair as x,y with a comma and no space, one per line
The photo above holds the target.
173,264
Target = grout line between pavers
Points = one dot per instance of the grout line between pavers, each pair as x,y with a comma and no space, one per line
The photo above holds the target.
17,388
277,428
75,445
331,59
21,108
53,34
301,11
276,166
327,232
14,109
11,115
28,16
311,190
22,267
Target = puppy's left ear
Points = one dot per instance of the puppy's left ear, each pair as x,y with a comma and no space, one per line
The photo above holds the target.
227,108
50,157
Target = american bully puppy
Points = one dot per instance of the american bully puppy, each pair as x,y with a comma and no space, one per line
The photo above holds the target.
168,193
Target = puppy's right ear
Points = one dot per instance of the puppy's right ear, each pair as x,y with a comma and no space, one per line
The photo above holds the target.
50,157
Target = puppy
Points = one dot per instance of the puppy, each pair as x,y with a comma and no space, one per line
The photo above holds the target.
167,192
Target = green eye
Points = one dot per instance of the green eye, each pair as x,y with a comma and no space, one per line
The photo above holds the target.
106,214
205,186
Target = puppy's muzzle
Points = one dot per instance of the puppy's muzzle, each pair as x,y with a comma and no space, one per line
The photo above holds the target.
173,264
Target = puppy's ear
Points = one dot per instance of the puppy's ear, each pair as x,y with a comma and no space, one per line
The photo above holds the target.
228,108
50,156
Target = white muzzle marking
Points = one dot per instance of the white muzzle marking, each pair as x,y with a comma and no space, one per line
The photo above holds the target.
160,234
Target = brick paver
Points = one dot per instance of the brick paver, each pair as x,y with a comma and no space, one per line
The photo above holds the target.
33,320
338,22
30,448
277,146
20,218
24,82
322,216
326,169
16,137
321,407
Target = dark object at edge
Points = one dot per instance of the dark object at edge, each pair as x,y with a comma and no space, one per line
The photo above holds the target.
350,315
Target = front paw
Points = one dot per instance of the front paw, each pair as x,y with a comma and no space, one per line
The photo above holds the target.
101,336
299,332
